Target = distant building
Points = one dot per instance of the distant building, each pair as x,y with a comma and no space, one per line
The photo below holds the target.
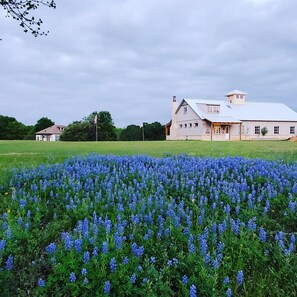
52,133
232,119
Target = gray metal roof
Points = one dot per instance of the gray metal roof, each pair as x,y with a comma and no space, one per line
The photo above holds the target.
249,111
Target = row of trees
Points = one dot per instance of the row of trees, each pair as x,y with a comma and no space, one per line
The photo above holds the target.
11,129
96,126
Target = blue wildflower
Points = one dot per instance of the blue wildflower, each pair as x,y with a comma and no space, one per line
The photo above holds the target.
105,247
107,287
229,292
193,291
86,257
84,271
72,277
51,248
133,278
184,279
240,277
113,265
41,282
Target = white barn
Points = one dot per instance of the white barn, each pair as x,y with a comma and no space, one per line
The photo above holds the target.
232,119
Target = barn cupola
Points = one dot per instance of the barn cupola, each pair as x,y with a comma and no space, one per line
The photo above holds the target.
236,97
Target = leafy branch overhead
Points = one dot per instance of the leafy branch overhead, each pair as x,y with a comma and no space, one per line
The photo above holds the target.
21,11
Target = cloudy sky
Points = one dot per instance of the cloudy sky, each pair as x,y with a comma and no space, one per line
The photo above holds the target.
131,56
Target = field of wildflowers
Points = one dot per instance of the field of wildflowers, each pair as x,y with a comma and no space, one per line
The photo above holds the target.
144,226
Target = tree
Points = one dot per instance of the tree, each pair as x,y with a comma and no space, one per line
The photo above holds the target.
154,131
84,130
78,131
11,129
132,132
264,131
43,123
106,128
21,11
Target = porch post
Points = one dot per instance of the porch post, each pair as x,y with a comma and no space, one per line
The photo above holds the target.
240,130
211,126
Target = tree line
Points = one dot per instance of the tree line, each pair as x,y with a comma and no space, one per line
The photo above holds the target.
96,126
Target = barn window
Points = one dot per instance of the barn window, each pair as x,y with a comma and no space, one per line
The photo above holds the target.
292,130
257,129
276,129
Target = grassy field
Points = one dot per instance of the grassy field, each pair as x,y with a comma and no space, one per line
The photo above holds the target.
31,153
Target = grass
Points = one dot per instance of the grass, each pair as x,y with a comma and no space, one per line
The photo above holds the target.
32,153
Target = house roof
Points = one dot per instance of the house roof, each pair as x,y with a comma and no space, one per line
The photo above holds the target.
249,111
55,129
237,92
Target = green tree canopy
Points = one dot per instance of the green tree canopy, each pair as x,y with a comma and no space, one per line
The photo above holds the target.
43,123
106,128
11,129
85,130
21,11
131,132
154,131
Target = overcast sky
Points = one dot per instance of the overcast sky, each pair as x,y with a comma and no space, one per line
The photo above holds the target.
131,56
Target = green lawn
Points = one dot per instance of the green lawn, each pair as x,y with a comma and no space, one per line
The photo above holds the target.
31,153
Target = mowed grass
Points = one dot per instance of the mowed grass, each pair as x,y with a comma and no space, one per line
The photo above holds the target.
19,154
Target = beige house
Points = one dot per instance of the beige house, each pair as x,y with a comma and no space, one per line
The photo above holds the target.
52,133
232,119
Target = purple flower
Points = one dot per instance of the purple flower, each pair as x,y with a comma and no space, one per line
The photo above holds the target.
184,279
133,278
72,277
107,287
240,277
113,265
41,282
9,262
193,291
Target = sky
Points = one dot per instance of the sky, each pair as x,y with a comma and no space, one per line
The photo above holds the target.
129,57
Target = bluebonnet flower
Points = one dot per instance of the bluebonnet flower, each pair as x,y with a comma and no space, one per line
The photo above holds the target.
105,247
184,279
78,245
262,234
86,257
293,239
226,280
139,268
145,280
20,221
240,277
169,263
152,259
126,260
215,263
84,271
9,233
229,292
193,291
72,277
113,265
86,281
41,282
51,248
4,225
2,244
252,224
133,278
107,287
192,248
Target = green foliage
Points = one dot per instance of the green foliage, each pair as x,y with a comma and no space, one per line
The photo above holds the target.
106,128
264,131
43,123
11,129
154,131
131,132
78,131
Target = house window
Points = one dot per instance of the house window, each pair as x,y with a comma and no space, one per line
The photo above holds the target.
190,125
217,130
213,108
185,109
257,129
292,130
180,125
186,125
196,124
276,129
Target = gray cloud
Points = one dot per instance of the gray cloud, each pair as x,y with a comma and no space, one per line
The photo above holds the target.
130,57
